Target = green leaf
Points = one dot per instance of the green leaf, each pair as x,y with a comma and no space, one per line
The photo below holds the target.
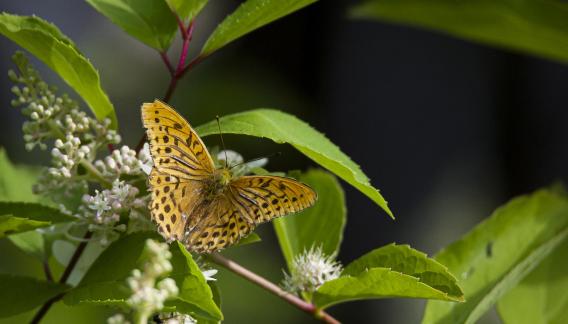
535,27
34,211
31,243
12,225
541,296
499,252
195,294
16,185
390,271
321,225
404,259
250,15
105,281
18,217
284,128
21,294
150,21
46,42
16,181
186,9
249,239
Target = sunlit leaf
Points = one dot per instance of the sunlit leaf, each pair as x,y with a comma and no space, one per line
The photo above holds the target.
250,15
284,128
540,298
48,44
390,271
319,226
150,21
186,9
18,217
499,252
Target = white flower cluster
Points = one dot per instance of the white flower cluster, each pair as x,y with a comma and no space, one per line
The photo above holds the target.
74,170
51,116
176,318
310,270
117,319
124,161
149,294
103,210
66,155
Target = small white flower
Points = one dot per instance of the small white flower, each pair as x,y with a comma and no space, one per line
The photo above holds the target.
146,159
98,203
310,270
176,318
148,295
208,274
117,319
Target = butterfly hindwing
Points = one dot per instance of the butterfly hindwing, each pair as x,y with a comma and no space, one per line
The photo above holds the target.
175,147
221,225
263,198
173,200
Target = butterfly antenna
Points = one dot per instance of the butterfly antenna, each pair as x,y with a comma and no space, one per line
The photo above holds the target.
222,142
258,158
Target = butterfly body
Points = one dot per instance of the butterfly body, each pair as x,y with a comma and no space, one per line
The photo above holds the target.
205,207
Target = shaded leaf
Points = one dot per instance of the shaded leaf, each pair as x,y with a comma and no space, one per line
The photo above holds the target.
46,42
105,281
18,217
499,252
150,21
541,296
321,225
21,294
31,243
284,128
250,15
535,27
186,9
390,271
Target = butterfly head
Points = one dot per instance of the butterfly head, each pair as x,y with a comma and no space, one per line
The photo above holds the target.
222,177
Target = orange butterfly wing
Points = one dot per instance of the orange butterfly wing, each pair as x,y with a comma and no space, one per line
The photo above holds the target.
249,201
182,165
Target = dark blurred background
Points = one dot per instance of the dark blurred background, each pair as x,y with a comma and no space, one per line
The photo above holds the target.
448,130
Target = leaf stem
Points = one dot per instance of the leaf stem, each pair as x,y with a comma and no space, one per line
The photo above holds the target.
95,173
68,270
47,271
273,288
181,68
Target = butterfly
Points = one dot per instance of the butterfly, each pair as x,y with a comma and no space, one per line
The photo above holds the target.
205,207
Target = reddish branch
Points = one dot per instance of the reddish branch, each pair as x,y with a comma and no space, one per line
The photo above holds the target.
274,289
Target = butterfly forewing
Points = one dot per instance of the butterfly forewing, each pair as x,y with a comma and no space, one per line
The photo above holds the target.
175,147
